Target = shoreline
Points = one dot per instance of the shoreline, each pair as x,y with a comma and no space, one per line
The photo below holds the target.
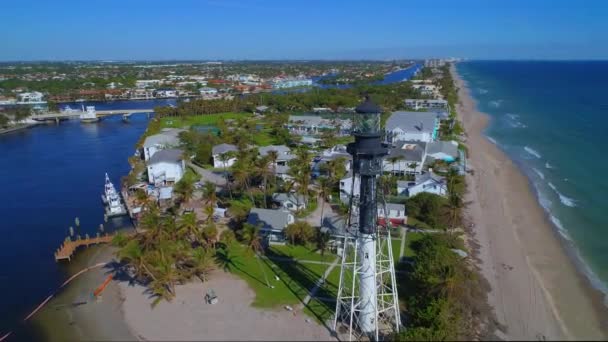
537,289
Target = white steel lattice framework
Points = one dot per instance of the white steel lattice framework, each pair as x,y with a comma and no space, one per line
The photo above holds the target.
357,300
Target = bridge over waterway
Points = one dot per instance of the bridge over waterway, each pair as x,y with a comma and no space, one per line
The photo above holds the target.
56,116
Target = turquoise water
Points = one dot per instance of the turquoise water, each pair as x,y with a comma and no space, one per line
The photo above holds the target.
551,118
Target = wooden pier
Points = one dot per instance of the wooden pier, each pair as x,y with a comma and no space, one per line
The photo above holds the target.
68,247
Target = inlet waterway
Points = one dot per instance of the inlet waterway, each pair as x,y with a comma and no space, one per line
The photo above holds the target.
51,175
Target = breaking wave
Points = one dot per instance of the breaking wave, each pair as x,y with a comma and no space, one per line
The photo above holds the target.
513,121
496,103
482,91
548,166
532,152
540,174
567,201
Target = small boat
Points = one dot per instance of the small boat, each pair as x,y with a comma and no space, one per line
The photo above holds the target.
90,115
80,100
112,201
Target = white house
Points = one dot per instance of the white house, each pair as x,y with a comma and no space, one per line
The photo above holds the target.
166,93
207,91
33,97
280,167
272,223
220,157
289,201
396,213
405,157
141,84
426,89
417,126
166,166
347,189
417,104
428,182
167,138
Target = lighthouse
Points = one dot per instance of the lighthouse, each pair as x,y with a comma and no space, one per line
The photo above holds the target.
367,302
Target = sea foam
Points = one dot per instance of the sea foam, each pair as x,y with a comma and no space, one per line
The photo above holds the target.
532,152
513,121
567,201
482,91
548,166
540,174
496,103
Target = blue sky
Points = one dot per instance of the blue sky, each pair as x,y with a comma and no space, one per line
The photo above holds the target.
298,29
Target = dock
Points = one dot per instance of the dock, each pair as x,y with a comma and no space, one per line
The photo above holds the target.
69,247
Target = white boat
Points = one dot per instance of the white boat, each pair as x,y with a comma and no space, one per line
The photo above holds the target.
111,199
89,115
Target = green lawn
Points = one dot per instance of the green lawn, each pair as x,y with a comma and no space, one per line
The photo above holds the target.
295,279
208,119
300,252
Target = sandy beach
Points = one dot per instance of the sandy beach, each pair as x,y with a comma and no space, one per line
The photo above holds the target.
124,313
537,292
188,318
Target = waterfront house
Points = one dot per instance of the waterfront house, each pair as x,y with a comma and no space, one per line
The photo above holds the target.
167,138
396,213
427,182
223,155
405,157
289,201
426,89
207,91
142,84
417,126
33,97
166,167
442,150
417,104
272,223
165,93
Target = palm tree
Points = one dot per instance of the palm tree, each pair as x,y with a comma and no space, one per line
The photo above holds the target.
324,192
188,226
263,169
209,192
322,240
393,160
163,284
251,235
224,158
273,156
202,263
210,233
185,187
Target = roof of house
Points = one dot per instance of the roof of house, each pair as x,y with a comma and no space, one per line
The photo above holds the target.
429,176
448,147
282,151
412,121
282,197
223,148
167,137
271,219
413,151
393,206
166,156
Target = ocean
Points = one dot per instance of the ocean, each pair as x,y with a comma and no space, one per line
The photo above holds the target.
551,119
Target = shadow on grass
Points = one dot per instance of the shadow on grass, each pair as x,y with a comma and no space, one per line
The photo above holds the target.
300,281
